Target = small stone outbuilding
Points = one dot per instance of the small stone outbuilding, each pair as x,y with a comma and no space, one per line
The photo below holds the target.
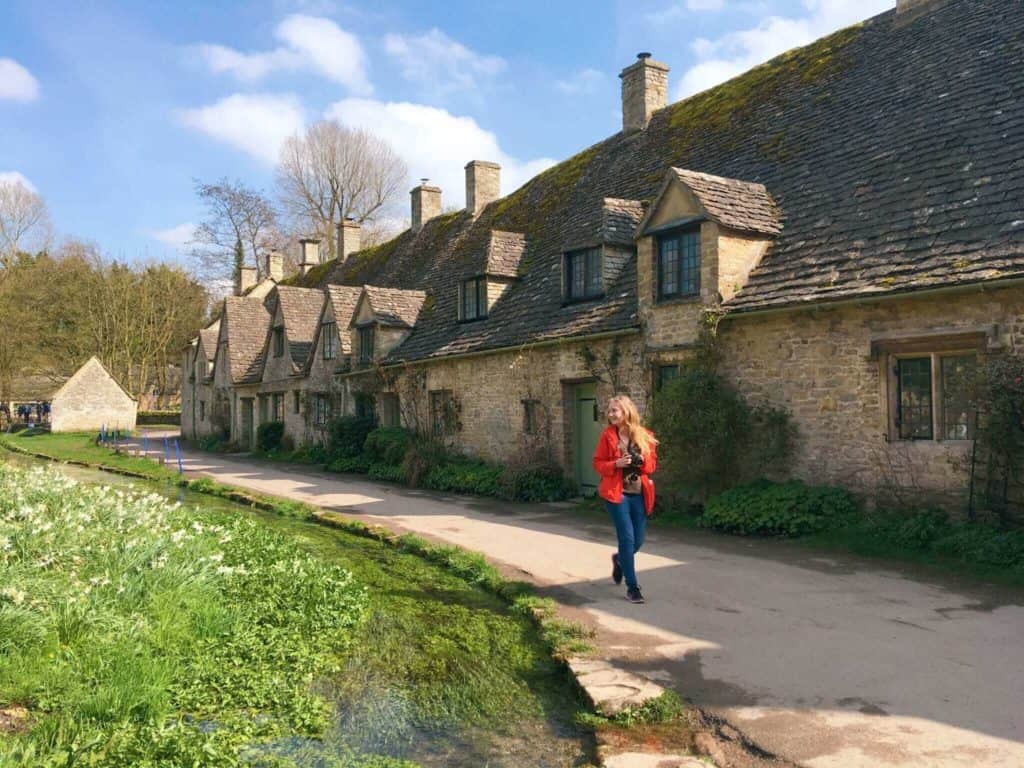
90,400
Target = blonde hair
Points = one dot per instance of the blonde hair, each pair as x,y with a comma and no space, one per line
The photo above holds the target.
639,435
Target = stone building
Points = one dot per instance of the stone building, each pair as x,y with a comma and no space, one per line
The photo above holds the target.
90,400
851,214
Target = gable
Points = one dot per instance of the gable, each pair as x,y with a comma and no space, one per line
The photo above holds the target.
92,377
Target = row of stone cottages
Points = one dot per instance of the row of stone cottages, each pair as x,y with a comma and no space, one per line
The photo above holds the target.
854,209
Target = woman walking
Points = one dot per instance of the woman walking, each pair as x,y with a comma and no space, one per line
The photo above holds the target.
625,458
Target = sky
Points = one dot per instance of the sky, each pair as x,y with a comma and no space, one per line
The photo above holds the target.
113,110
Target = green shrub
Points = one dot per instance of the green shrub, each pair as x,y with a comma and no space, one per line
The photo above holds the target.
212,443
355,464
387,445
711,439
983,544
422,456
310,454
391,472
919,531
347,436
269,435
158,417
778,509
465,476
537,483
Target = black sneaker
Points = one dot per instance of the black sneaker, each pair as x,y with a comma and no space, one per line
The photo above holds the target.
616,569
634,595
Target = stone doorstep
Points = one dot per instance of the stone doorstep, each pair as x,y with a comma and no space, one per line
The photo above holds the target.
612,690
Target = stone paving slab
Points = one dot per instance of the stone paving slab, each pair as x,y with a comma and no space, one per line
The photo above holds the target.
646,760
610,688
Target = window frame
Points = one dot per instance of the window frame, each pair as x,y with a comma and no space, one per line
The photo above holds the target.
296,402
531,416
390,409
322,410
479,288
938,391
278,337
202,410
277,406
365,407
681,235
365,333
592,283
329,333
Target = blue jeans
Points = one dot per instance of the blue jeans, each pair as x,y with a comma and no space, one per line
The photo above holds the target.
630,526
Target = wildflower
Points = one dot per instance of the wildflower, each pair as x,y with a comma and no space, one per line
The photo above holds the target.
13,594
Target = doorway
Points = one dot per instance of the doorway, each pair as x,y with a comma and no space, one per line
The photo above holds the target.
587,427
248,423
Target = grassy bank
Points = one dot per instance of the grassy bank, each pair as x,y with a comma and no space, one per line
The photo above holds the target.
137,632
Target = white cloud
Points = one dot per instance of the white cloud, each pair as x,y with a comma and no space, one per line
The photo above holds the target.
737,52
13,177
254,123
176,237
440,64
585,81
435,143
312,44
16,82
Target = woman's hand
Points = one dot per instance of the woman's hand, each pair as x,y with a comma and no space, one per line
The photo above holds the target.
623,462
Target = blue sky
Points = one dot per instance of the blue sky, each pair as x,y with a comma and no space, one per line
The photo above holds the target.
110,110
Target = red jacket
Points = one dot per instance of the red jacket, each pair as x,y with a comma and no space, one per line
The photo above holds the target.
610,488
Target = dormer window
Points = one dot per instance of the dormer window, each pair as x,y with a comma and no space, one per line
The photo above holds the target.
474,299
679,264
583,275
329,333
366,344
278,334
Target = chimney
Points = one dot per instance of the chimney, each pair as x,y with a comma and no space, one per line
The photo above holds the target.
310,253
246,279
426,204
644,92
483,184
348,239
275,266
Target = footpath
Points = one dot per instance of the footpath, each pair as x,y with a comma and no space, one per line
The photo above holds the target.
825,662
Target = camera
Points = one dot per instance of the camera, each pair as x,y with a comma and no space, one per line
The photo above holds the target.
636,460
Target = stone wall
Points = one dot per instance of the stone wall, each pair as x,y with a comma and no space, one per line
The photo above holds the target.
90,400
829,368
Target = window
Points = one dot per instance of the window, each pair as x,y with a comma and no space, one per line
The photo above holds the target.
296,402
679,264
932,396
531,417
366,344
390,412
443,418
277,403
665,374
202,410
209,367
364,407
474,298
278,333
329,333
322,410
583,274
264,406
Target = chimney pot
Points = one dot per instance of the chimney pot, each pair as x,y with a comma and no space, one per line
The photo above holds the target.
483,184
644,91
348,238
426,204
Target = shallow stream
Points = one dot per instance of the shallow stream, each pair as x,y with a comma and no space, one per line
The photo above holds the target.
426,629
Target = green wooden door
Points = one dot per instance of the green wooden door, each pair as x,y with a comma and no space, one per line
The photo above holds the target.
589,425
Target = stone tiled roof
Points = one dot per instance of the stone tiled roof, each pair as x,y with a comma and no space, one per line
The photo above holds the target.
735,204
892,151
504,252
300,308
247,324
343,300
395,306
621,218
208,335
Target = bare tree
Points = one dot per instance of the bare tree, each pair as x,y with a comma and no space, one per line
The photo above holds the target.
24,221
331,173
235,214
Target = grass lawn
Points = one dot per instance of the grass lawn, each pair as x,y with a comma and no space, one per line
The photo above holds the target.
81,447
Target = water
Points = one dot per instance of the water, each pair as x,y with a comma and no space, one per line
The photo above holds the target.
374,713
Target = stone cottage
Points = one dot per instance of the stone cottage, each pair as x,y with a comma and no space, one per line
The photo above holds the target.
90,400
851,213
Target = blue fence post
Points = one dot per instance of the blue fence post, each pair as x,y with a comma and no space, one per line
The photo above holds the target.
167,451
177,449
145,446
